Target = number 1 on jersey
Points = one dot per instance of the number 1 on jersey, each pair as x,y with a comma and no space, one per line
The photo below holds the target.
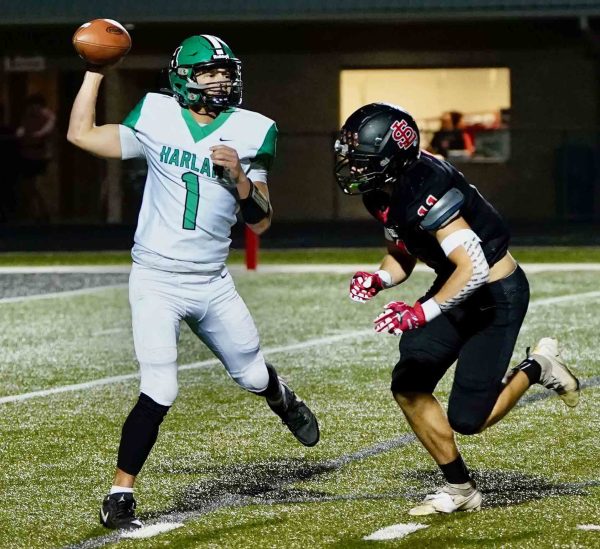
192,196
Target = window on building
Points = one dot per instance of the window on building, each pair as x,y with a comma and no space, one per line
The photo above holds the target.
463,114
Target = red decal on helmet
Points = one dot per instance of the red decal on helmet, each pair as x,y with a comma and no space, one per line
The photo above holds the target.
422,211
403,134
431,200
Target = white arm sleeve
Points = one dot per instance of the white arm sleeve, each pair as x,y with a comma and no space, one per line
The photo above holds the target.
130,144
480,271
257,173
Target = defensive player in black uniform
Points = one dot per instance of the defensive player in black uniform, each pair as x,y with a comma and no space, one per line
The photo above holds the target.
472,313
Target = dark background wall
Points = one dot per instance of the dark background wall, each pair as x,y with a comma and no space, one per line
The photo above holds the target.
291,73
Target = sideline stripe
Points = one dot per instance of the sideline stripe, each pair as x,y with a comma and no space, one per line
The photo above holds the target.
273,350
283,268
240,270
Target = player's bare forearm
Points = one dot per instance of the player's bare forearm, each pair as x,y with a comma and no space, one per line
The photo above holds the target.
103,141
391,265
244,186
400,265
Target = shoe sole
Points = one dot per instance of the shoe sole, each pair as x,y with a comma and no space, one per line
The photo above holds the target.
571,398
429,509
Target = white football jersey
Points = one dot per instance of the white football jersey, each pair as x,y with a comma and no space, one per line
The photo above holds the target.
187,211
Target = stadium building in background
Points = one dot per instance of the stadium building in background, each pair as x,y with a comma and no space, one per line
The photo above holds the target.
525,76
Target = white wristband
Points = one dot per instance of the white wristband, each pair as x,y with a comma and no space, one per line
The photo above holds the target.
431,309
386,278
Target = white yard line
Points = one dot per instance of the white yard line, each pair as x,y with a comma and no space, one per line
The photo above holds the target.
67,293
268,351
193,366
151,530
563,298
54,269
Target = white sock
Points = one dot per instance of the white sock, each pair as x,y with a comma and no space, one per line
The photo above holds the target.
469,485
119,489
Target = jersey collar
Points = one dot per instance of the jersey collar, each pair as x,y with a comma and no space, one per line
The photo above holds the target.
200,132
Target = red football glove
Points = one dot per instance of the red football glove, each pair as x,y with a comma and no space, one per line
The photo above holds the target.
365,286
398,317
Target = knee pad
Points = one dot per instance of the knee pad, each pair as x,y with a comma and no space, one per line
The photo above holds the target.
159,382
412,375
254,377
156,355
464,423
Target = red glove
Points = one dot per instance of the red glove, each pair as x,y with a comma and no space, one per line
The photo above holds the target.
398,317
365,286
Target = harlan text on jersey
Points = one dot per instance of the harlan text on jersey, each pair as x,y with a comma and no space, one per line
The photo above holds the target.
188,160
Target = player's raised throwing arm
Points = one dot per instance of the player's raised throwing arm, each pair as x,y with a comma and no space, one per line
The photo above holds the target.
103,141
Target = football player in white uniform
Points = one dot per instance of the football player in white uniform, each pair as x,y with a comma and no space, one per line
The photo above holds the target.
206,158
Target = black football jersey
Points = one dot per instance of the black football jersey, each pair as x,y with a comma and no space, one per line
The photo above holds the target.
416,191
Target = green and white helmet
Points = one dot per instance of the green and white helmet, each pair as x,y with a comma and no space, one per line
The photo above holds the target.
205,52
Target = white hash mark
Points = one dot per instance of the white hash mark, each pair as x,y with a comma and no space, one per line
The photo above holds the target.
588,527
151,530
395,531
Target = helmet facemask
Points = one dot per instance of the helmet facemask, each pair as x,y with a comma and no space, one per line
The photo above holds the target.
201,54
359,172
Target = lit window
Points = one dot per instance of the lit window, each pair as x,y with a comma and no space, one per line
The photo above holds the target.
463,114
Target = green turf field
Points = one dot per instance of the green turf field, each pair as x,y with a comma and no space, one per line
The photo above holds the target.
226,468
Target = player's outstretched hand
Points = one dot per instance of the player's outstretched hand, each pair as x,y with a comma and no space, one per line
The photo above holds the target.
365,286
398,317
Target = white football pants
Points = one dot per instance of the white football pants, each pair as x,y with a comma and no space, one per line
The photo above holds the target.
213,310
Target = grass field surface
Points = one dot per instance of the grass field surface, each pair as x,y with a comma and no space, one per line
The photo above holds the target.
228,474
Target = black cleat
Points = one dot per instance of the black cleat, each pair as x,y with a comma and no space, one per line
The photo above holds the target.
298,417
118,511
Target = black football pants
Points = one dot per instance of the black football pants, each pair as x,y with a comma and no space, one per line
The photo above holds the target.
480,334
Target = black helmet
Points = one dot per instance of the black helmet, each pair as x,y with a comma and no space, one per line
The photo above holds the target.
376,142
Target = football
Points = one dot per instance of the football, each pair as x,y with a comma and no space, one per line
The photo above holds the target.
101,41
